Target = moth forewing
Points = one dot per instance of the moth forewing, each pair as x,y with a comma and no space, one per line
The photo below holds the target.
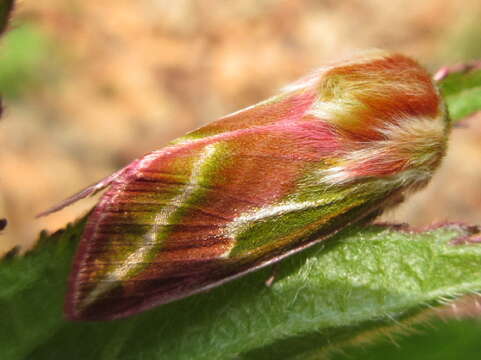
253,187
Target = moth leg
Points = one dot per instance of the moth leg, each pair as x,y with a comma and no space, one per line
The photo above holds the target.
274,272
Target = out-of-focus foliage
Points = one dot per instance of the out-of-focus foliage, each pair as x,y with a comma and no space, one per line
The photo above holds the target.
23,52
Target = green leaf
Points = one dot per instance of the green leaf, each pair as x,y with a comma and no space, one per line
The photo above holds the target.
462,92
362,281
23,59
440,339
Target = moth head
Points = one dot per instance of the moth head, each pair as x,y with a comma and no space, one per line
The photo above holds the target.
387,116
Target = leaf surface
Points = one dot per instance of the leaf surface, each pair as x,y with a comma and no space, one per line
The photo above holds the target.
462,92
440,339
325,297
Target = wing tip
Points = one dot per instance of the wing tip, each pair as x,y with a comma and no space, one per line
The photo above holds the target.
89,191
69,201
73,311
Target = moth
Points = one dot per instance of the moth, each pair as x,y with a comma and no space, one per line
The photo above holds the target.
335,148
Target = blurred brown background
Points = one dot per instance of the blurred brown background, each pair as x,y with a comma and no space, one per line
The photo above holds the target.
89,86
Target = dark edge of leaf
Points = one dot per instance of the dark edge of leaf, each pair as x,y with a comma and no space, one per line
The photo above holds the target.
10,254
6,9
72,230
